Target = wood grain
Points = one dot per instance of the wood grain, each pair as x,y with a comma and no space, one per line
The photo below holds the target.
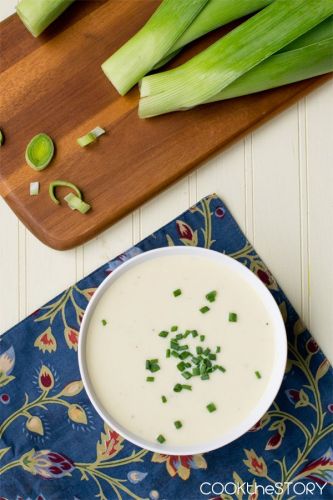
54,84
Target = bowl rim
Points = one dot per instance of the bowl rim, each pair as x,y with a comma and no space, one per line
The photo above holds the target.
271,390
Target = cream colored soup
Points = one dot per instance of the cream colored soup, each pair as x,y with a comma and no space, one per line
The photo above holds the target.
140,304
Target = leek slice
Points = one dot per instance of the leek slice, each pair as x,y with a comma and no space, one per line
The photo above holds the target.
208,73
75,203
2,138
282,69
140,54
34,188
37,15
68,184
39,152
87,139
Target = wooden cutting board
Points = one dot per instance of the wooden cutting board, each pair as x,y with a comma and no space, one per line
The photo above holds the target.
54,84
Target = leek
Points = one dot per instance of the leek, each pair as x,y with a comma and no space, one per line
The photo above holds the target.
37,15
140,54
282,69
217,13
321,32
208,73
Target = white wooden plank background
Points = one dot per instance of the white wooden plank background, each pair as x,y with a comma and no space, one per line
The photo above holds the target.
278,183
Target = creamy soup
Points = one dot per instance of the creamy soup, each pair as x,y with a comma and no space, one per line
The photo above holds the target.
214,326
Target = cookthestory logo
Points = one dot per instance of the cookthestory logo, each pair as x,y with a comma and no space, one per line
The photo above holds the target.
288,488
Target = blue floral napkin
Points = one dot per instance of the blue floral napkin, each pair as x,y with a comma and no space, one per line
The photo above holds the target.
54,446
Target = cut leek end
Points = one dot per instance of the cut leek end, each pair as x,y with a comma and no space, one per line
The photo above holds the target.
34,188
60,183
2,138
39,152
34,30
111,75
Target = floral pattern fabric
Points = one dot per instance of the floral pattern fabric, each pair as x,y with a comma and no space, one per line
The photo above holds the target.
53,445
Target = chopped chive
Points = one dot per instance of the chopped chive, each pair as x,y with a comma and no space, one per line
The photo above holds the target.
221,368
187,375
205,376
218,349
212,356
211,407
168,353
187,333
199,350
258,374
154,361
204,309
164,399
178,424
195,360
163,333
160,439
174,328
177,388
179,336
183,347
194,333
177,292
188,365
232,317
181,366
206,351
195,371
187,387
202,368
147,364
211,296
202,338
184,355
175,354
150,379
174,344
104,322
154,367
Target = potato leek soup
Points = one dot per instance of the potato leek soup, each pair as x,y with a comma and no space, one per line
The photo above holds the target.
180,349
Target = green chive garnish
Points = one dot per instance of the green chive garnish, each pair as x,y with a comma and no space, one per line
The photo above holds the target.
187,375
179,336
177,388
163,333
174,328
212,356
202,338
168,353
199,349
258,374
187,333
218,349
194,333
181,366
211,296
221,368
205,376
160,439
184,354
174,344
150,379
187,387
206,351
195,371
211,407
175,354
177,292
164,399
204,309
104,322
232,317
154,367
178,424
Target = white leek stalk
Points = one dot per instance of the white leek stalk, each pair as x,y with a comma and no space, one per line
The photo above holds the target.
37,15
140,54
208,73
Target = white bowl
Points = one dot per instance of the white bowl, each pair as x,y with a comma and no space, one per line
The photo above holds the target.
276,375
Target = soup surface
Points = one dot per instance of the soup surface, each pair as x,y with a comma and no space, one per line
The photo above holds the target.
216,373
